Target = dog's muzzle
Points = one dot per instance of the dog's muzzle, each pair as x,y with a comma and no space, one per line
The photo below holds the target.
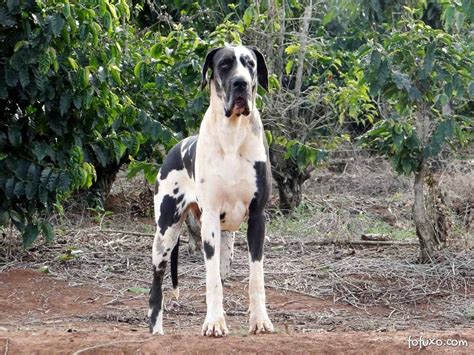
238,102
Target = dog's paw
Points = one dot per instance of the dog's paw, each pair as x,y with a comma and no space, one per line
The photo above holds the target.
156,328
260,324
215,327
155,322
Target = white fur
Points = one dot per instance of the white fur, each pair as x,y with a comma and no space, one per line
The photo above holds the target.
258,321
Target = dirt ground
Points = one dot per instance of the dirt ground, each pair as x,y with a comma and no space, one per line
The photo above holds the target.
43,315
87,292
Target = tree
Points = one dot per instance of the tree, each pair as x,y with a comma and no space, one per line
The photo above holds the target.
60,103
80,94
300,113
421,79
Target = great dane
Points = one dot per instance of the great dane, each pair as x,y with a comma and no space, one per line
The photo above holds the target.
222,177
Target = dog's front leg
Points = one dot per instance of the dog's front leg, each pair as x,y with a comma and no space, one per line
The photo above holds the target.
259,321
211,239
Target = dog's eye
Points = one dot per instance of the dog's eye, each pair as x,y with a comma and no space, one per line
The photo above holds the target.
225,65
251,64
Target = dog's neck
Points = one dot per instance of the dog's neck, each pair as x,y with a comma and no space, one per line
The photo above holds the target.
231,132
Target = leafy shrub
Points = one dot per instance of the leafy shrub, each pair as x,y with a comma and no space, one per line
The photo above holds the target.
81,90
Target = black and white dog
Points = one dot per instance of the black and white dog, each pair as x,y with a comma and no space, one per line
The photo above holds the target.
221,176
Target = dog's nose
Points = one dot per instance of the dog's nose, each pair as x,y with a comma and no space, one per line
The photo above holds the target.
239,83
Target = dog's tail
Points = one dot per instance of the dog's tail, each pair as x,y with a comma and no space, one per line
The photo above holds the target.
174,270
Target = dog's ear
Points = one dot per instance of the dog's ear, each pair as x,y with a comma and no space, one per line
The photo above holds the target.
207,64
262,71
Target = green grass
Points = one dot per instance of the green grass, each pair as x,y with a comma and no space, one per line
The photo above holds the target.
300,223
294,223
469,312
375,226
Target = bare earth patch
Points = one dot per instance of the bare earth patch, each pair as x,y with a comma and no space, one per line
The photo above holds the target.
92,294
43,315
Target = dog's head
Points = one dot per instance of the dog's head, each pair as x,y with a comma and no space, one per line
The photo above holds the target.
235,73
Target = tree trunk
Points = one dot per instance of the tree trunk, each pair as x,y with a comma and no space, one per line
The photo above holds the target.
429,244
301,55
100,189
279,63
289,179
270,36
286,173
426,227
289,192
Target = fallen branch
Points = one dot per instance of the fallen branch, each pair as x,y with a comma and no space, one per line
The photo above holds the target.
375,237
6,346
294,291
106,344
311,242
127,232
145,234
351,242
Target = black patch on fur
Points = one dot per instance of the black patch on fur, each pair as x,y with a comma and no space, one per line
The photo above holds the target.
246,60
165,254
189,157
263,187
173,161
222,216
174,265
256,223
208,63
208,250
202,181
176,190
169,213
256,236
156,295
262,71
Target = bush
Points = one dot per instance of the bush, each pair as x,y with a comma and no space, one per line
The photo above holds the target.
81,91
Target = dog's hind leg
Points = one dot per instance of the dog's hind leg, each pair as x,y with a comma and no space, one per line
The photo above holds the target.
227,253
162,247
170,208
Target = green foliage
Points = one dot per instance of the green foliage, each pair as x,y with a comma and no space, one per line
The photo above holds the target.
63,110
304,154
398,141
423,77
79,90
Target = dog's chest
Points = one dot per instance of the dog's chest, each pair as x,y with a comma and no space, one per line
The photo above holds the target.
234,177
226,183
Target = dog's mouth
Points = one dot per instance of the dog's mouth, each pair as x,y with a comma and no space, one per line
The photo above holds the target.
239,106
